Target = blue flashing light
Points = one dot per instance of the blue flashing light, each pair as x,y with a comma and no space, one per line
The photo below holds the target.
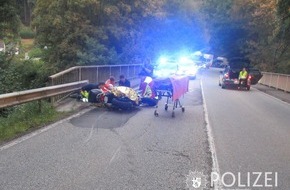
163,60
184,60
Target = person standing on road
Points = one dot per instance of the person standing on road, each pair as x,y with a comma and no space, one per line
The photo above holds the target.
148,68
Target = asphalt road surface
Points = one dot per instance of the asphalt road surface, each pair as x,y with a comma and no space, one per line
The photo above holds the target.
251,133
104,149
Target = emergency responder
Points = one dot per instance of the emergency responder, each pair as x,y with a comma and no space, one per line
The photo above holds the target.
243,76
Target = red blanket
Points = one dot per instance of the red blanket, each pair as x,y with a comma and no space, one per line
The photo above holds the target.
180,86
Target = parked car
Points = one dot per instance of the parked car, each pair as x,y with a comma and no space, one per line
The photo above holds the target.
230,76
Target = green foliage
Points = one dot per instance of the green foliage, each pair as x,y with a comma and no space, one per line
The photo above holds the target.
9,27
91,32
9,21
227,31
250,29
284,67
87,32
64,32
24,117
10,79
35,53
19,75
26,33
283,12
24,9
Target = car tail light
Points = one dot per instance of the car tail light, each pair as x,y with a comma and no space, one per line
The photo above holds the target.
250,77
226,75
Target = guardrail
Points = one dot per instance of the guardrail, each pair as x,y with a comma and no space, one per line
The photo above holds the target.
16,98
276,80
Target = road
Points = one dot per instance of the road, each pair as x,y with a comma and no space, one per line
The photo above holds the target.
103,149
251,133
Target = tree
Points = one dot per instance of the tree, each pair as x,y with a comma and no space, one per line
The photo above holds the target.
25,8
261,47
256,29
225,26
66,29
9,26
90,32
283,12
176,29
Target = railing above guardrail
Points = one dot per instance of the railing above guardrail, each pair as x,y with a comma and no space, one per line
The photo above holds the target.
97,73
94,74
276,80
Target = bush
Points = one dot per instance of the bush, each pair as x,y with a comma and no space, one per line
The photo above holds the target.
284,68
24,117
22,75
35,53
26,33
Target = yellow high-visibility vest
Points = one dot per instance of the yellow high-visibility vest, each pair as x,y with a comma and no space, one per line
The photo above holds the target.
243,75
85,94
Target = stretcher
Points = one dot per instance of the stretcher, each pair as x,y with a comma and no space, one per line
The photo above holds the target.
172,88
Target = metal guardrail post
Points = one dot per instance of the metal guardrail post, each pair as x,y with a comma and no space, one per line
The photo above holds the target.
39,106
270,83
80,73
97,74
277,83
286,88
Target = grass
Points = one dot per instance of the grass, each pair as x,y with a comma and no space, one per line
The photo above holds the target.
26,118
27,44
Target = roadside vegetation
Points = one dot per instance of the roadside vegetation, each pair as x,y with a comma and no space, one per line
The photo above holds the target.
50,36
24,118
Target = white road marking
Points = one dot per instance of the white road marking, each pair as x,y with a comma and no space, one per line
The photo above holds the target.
37,132
215,165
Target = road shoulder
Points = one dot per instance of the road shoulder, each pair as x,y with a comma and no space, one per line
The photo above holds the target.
279,94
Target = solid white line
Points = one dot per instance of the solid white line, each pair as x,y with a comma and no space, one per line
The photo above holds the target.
37,132
215,165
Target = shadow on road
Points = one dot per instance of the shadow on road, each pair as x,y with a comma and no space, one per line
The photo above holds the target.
103,118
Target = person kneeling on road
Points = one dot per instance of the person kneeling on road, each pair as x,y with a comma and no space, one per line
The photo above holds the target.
85,90
147,90
124,82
